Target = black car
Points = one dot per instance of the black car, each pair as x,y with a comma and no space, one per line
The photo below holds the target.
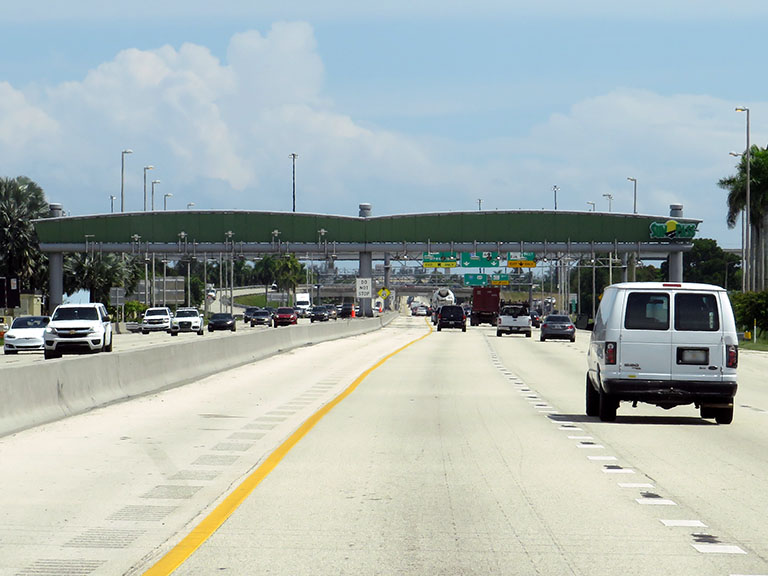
451,316
221,321
248,314
319,314
347,310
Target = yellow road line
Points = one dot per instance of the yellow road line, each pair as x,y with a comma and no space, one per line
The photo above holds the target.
197,537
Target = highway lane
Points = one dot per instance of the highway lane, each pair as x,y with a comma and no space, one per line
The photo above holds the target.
462,454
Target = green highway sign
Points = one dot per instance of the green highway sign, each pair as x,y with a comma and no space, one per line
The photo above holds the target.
479,259
521,260
499,279
439,259
475,279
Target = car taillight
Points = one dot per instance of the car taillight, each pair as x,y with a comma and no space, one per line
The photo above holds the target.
731,356
610,352
544,325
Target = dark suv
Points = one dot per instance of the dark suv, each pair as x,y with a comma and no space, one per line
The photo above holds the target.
451,316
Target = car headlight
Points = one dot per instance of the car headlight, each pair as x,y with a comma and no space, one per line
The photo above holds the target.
10,337
51,330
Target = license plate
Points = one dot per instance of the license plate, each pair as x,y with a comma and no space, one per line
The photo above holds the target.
696,356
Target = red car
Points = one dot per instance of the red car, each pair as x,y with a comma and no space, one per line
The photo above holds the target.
285,317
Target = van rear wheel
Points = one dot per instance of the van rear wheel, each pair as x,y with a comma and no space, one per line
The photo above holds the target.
593,399
724,415
608,406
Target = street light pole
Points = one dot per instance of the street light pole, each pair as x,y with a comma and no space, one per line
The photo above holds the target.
610,197
634,182
122,178
112,203
150,167
293,156
165,200
555,189
748,230
153,193
592,206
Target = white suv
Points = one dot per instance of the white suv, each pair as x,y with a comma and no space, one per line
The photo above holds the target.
78,328
156,320
187,320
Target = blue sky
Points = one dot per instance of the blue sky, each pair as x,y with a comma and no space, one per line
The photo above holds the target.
413,107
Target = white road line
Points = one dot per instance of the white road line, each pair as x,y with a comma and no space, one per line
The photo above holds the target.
684,523
718,549
602,458
635,485
655,502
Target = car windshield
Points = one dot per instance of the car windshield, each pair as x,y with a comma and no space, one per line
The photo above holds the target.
156,312
285,310
77,313
261,313
221,316
187,313
31,322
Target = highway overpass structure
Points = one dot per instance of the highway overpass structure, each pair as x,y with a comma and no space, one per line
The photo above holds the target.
203,234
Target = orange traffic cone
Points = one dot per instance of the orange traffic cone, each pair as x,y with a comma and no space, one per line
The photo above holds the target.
353,311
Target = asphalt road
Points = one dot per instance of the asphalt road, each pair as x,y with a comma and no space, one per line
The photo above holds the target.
463,453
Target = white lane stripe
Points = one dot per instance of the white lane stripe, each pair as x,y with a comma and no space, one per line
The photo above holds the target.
570,429
684,523
580,438
618,471
635,485
718,549
602,458
655,502
598,446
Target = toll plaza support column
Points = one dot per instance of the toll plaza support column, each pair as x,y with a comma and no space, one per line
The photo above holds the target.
366,271
675,258
55,280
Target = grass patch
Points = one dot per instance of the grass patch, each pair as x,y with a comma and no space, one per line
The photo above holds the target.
761,345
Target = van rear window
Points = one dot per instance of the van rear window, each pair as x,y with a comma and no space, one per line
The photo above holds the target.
696,313
647,311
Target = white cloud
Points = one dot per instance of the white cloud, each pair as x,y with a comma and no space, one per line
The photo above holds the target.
22,125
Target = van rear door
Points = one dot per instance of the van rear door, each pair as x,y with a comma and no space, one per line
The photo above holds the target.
698,351
646,336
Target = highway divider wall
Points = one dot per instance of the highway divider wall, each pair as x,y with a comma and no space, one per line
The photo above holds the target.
44,392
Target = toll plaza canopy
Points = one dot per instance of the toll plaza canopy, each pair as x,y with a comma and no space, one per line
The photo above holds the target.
250,233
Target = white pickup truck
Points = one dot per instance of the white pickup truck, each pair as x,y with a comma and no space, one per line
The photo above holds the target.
513,319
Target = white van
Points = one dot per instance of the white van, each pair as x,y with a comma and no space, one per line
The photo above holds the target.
666,344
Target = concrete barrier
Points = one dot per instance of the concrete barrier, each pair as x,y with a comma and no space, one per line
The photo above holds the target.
40,393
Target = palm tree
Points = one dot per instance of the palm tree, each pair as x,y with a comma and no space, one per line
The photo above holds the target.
758,200
289,273
96,273
22,201
265,271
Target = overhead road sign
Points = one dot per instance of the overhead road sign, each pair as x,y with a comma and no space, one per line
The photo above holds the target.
499,279
439,259
475,279
521,260
479,259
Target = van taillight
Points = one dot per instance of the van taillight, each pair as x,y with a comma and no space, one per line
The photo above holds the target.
610,352
731,356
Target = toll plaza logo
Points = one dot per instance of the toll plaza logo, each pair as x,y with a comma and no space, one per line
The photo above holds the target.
674,230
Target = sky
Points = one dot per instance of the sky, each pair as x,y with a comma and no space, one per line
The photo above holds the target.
410,106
